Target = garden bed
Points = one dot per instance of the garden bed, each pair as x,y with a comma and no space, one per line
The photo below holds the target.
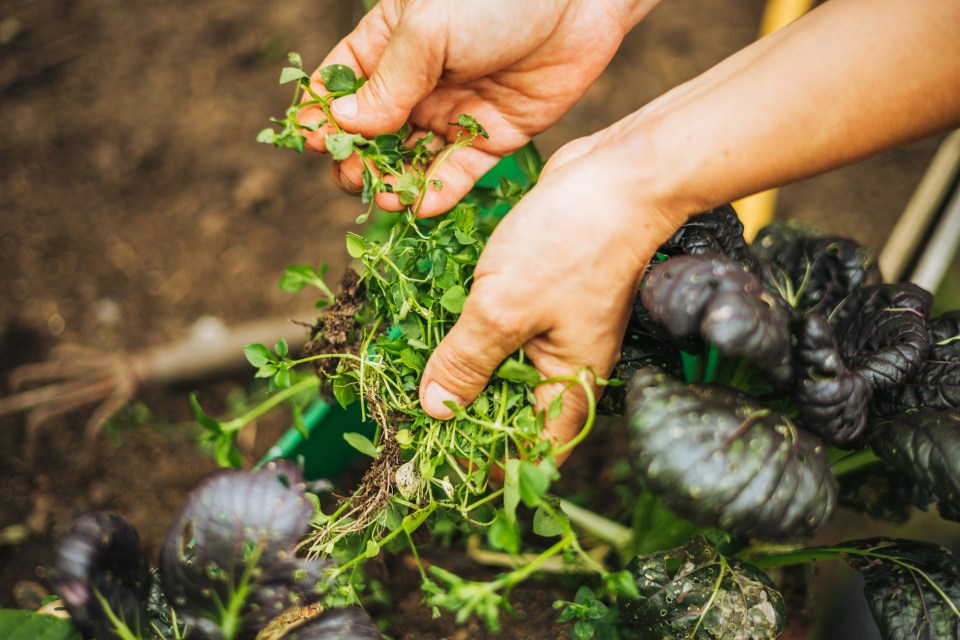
134,201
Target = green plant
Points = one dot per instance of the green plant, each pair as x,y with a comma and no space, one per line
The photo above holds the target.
751,347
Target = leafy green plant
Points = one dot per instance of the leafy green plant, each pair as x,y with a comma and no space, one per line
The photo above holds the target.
765,383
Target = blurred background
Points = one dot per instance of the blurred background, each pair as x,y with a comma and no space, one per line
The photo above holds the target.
134,202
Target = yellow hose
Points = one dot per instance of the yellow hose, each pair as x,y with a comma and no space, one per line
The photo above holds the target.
756,211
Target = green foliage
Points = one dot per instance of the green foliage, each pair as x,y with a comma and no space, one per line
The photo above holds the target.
30,625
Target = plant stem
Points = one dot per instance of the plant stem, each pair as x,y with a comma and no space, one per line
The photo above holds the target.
854,462
238,423
613,533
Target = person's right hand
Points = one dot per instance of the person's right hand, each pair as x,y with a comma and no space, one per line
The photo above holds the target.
516,67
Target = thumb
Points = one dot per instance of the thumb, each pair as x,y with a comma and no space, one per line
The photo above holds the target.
467,357
407,72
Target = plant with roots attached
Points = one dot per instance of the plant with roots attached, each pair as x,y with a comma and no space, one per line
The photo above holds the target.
761,387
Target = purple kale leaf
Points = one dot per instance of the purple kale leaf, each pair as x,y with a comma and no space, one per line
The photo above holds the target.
814,273
227,564
832,400
884,338
722,301
718,231
719,458
100,570
937,384
924,444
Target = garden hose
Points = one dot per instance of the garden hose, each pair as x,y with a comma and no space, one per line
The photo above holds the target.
756,211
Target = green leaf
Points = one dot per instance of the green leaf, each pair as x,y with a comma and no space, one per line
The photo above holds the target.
17,624
340,145
547,524
225,450
504,535
205,421
296,277
535,480
556,406
258,355
344,391
408,188
361,443
470,124
913,588
529,161
621,583
403,437
412,359
295,59
372,549
339,78
290,74
282,377
695,593
356,245
453,299
281,348
515,371
267,135
411,522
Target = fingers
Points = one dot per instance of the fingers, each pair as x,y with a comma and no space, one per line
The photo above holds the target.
408,70
574,410
464,361
452,177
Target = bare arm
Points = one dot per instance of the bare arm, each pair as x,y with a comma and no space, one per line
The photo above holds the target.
850,79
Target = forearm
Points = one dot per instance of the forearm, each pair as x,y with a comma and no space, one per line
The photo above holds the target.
852,78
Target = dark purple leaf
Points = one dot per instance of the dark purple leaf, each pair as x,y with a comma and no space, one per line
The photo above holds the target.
814,273
236,535
832,400
924,444
937,384
638,351
913,588
101,554
885,339
718,231
727,305
719,458
694,592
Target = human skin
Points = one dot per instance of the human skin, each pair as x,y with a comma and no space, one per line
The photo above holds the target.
852,78
516,67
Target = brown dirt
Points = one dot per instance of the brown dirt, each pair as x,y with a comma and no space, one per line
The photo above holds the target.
133,201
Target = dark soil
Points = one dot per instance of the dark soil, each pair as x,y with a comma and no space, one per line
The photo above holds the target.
134,202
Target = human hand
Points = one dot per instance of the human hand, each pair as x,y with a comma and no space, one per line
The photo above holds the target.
556,278
516,67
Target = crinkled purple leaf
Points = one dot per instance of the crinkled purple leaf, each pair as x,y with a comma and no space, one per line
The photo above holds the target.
695,593
815,273
913,588
236,536
344,623
924,444
718,231
937,384
719,458
885,340
101,555
832,400
724,302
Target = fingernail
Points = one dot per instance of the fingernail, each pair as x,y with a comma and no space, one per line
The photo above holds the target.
345,106
433,400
